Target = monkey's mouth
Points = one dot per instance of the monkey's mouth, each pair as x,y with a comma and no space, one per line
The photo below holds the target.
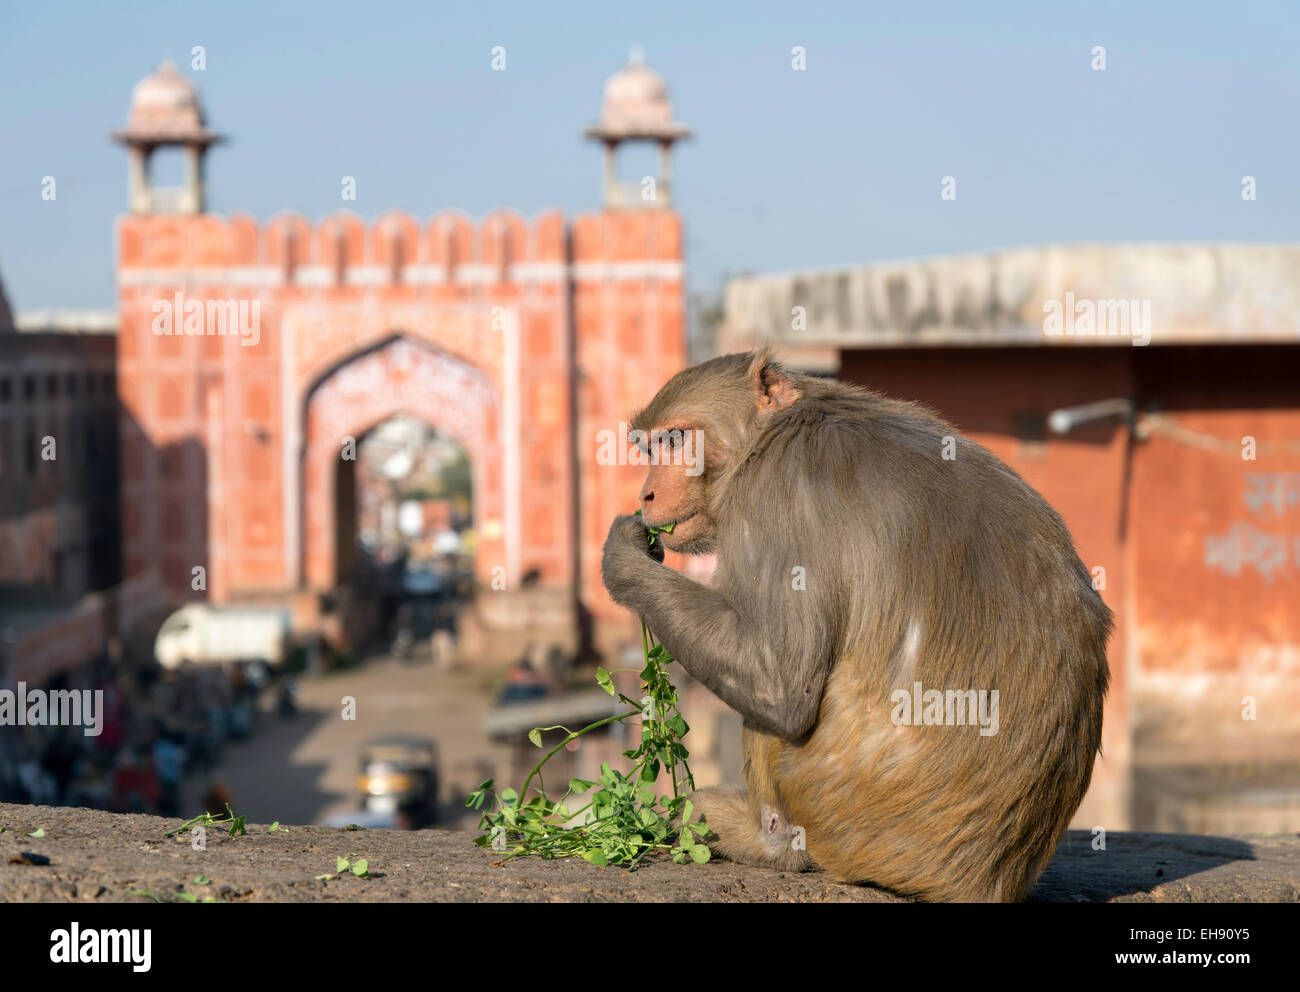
673,523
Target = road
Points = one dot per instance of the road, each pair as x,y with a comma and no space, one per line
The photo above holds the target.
303,769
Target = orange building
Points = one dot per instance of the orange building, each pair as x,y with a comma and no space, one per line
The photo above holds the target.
1150,393
253,357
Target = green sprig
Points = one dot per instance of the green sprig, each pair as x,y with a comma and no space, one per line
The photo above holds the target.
624,821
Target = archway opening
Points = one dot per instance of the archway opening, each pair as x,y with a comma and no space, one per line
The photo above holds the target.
429,399
405,529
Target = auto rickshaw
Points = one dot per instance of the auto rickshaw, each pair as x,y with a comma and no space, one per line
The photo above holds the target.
399,777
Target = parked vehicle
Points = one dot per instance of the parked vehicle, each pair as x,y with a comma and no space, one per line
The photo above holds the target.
209,635
399,777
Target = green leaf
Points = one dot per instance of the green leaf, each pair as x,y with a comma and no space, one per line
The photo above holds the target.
38,833
322,878
202,880
273,827
700,854
361,867
687,810
187,896
596,858
605,681
579,785
340,864
535,735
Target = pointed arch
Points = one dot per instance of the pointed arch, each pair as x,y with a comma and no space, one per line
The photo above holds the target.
400,375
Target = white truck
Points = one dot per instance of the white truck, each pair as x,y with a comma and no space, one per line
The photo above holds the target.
209,635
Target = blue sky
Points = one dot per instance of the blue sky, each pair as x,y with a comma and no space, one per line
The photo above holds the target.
841,163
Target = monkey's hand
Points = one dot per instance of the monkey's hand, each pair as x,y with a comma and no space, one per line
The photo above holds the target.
627,552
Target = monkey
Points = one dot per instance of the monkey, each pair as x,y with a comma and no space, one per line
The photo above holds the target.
877,576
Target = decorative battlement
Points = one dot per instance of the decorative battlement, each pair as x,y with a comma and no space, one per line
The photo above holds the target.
342,250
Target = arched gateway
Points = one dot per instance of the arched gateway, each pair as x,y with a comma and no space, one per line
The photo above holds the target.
405,375
248,354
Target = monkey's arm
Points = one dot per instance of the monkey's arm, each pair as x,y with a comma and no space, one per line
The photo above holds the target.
767,658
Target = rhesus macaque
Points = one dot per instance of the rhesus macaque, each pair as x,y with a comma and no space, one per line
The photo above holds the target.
904,625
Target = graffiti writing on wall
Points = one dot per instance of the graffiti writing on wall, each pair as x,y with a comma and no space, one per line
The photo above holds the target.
1268,496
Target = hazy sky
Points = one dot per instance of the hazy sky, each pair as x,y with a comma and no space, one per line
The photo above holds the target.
840,163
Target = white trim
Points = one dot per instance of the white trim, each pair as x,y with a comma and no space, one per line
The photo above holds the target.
252,275
313,276
468,274
477,273
539,272
367,275
424,274
604,271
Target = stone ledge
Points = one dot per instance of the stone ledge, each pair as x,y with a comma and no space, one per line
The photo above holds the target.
106,857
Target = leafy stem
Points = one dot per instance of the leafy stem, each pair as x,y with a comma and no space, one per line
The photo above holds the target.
625,821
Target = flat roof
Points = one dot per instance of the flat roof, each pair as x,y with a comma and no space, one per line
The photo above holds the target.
66,321
1068,295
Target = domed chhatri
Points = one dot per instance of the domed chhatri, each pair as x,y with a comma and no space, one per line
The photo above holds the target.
165,111
636,108
636,105
165,108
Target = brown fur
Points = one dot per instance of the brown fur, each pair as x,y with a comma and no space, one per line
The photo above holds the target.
951,573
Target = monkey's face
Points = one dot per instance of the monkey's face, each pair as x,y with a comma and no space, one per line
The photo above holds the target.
675,491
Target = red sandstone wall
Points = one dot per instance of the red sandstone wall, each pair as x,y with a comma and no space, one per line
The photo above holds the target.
630,339
211,439
205,436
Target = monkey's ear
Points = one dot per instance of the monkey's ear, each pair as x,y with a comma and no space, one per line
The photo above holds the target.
773,389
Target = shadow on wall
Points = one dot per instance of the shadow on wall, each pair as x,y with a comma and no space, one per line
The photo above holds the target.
1138,863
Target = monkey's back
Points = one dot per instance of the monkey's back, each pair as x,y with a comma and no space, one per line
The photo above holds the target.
955,574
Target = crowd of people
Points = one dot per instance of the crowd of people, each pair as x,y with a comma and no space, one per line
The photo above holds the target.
157,729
